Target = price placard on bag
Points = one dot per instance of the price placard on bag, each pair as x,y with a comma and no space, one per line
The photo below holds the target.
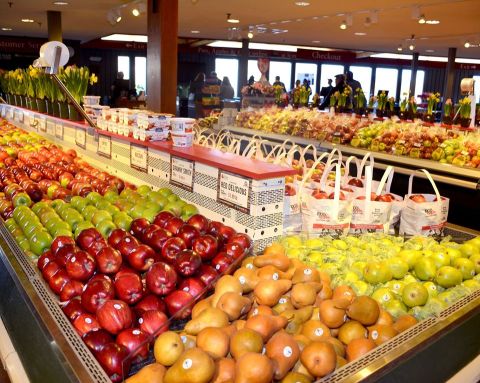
59,131
42,124
51,128
233,190
139,157
181,172
104,146
81,137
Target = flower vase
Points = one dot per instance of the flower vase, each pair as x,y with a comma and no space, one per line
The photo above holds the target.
73,114
447,120
56,109
429,118
9,98
63,110
33,103
380,113
465,122
41,105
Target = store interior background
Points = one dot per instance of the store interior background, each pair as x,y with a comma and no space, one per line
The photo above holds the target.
369,46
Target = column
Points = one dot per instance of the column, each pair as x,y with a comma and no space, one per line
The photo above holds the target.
243,65
450,74
162,59
414,68
54,23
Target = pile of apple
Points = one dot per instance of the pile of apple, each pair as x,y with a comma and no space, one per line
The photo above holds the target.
275,319
120,292
419,276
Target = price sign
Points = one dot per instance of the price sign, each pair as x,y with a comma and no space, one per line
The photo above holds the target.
81,137
33,122
4,110
181,173
234,190
59,131
19,116
51,128
139,157
42,124
10,114
104,146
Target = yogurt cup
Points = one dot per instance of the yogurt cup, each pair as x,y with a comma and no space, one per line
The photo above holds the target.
182,140
182,125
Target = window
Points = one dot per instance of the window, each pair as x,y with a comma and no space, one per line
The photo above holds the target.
329,72
253,70
282,69
228,68
141,74
363,75
386,79
123,65
309,72
405,85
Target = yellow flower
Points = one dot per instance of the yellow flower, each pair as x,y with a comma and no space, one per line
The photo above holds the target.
93,79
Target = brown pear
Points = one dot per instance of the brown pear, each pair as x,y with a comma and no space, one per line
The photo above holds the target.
301,340
296,377
315,330
167,348
283,350
300,315
341,361
301,369
337,345
245,340
214,341
364,310
234,305
226,284
351,330
189,341
303,294
304,274
248,263
380,333
325,293
333,312
284,303
252,367
315,313
266,325
200,306
270,272
247,277
193,366
279,260
260,310
224,371
319,358
151,373
210,317
344,291
268,292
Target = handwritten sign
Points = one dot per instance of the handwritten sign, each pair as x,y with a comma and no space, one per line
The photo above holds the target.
104,148
233,190
81,137
51,128
59,131
42,124
139,157
181,173
19,116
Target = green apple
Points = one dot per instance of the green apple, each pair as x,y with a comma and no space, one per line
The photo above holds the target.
136,211
20,211
40,242
174,208
448,276
383,295
10,223
62,232
111,196
102,204
23,244
410,256
377,272
409,278
17,233
81,227
441,258
465,266
398,267
73,219
415,294
468,249
39,205
101,215
51,189
361,287
314,243
471,284
48,216
188,210
21,199
78,202
144,190
172,198
122,220
88,212
475,258
112,209
165,192
395,286
358,267
431,288
150,214
94,197
124,205
395,308
105,227
56,204
425,269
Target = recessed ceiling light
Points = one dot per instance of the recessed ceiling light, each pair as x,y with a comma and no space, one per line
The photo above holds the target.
231,19
429,50
302,3
195,32
315,41
422,20
343,25
28,21
360,34
433,22
125,37
6,29
400,48
60,3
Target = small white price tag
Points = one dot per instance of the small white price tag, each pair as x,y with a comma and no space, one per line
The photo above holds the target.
104,146
51,128
81,137
59,131
233,190
182,172
10,114
3,110
42,124
139,157
19,116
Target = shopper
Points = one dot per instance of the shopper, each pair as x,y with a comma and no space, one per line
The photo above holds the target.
196,89
119,89
251,80
226,89
306,85
213,79
279,83
352,83
326,92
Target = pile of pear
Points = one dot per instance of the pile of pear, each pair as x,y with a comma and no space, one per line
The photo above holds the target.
275,320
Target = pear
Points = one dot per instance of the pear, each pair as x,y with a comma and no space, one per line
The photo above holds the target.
234,305
194,366
279,260
252,367
266,325
284,303
364,310
304,274
189,341
268,292
214,341
226,284
200,306
333,312
247,277
319,358
210,317
271,272
248,263
245,340
315,330
224,371
296,377
151,373
283,350
303,294
260,310
167,348
300,315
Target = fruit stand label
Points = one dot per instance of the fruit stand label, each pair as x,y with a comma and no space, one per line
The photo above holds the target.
59,131
19,116
33,122
51,128
181,173
104,146
10,114
4,108
81,137
233,190
42,124
139,157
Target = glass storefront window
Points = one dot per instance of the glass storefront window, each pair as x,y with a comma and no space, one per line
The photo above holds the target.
141,74
282,69
307,71
363,74
228,68
123,65
329,71
253,70
405,85
386,79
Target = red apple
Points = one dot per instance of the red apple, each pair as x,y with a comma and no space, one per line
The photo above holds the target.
161,278
206,246
73,309
139,226
114,316
188,233
60,242
187,262
85,322
341,196
373,197
127,245
385,198
153,322
226,232
100,277
221,262
124,270
96,293
65,253
96,247
242,239
199,222
147,234
207,274
194,286
70,290
50,270
214,228
129,288
81,266
109,260
179,304
157,239
418,198
136,341
45,259
318,194
162,218
96,340
173,225
114,360
234,250
116,236
141,258
171,248
290,190
356,182
150,302
57,281
87,237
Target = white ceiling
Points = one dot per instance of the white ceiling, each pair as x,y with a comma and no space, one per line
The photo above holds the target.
319,22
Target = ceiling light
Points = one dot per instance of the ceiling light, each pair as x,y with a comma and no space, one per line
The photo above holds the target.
232,20
302,3
114,16
411,47
360,34
28,21
135,12
316,41
6,29
433,22
343,25
250,35
139,9
400,48
429,50
195,32
60,3
124,37
422,20
467,45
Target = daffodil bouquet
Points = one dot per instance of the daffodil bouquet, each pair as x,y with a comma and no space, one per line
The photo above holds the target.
382,101
448,107
344,96
333,98
360,99
391,104
76,80
372,102
432,100
403,105
465,107
412,105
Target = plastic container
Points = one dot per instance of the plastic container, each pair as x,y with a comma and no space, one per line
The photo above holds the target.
182,125
91,100
182,140
106,113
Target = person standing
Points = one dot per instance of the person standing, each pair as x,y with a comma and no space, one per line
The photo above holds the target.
226,89
196,87
326,92
119,89
279,83
213,79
